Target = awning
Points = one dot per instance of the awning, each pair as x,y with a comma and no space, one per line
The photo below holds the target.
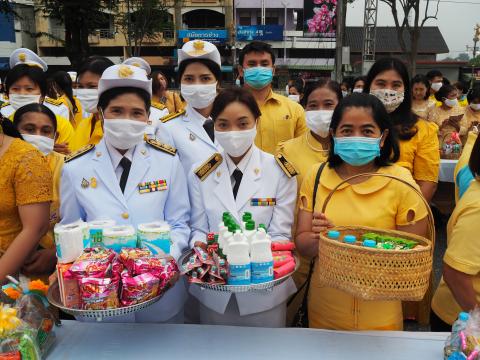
306,64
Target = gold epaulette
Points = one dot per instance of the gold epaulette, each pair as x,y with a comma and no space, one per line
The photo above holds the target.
209,166
158,105
161,146
79,153
287,168
55,102
172,116
4,104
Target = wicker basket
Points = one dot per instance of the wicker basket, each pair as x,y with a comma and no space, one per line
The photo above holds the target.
376,274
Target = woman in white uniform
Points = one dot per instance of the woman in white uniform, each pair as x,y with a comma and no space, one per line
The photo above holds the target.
191,130
102,181
230,181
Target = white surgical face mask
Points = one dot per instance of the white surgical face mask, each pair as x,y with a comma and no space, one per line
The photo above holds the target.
199,96
17,100
124,134
391,99
436,86
88,98
236,143
475,107
451,102
42,143
319,121
344,93
357,90
295,98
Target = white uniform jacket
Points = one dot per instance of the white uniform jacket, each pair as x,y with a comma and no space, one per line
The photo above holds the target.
263,178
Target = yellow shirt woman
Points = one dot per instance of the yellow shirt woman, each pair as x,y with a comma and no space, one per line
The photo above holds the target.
378,202
422,109
89,131
303,152
26,179
55,163
75,116
420,154
440,115
463,252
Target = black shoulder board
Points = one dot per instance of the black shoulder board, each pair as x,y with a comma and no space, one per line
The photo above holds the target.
287,168
172,116
79,152
161,146
209,166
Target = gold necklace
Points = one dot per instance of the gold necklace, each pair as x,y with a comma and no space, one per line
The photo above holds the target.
311,146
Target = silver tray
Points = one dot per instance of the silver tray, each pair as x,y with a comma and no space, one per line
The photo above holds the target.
266,286
53,297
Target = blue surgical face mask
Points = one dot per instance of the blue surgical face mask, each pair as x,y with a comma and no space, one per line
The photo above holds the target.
357,151
258,77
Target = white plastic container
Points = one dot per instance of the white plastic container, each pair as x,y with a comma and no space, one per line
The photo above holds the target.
239,261
261,258
222,230
227,236
250,232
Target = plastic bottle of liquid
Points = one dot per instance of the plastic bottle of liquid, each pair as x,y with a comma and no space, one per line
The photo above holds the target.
458,326
250,231
262,259
262,227
245,218
222,229
227,237
238,261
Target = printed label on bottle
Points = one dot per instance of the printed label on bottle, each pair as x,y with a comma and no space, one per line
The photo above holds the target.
262,272
239,275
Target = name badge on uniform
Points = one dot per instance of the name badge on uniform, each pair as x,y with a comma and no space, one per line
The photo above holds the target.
151,186
263,202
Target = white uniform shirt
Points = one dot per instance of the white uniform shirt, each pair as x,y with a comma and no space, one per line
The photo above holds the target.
187,134
116,157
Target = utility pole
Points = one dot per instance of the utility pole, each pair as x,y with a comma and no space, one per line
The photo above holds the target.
340,36
263,12
369,35
476,38
285,4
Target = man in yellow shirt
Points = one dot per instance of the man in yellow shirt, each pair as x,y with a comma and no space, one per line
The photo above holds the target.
436,82
282,119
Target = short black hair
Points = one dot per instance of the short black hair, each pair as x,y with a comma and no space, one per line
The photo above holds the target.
37,108
390,152
474,162
473,94
359,78
322,83
297,84
237,94
402,118
422,79
111,94
155,82
34,73
444,91
95,64
432,74
461,86
211,65
256,46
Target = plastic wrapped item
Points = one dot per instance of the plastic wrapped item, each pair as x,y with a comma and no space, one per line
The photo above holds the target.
129,255
140,288
94,262
99,294
283,246
464,341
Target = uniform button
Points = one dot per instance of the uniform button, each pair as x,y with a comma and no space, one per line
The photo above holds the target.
125,215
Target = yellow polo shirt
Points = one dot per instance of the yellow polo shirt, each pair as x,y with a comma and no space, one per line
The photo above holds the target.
421,153
88,131
462,180
378,202
463,252
281,120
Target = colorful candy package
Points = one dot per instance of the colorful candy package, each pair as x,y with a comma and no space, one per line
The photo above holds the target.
99,294
137,289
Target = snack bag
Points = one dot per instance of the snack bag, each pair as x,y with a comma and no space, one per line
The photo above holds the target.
99,294
137,289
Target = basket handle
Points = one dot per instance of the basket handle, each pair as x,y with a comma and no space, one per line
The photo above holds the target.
431,223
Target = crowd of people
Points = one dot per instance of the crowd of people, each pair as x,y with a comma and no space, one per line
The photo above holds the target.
78,148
